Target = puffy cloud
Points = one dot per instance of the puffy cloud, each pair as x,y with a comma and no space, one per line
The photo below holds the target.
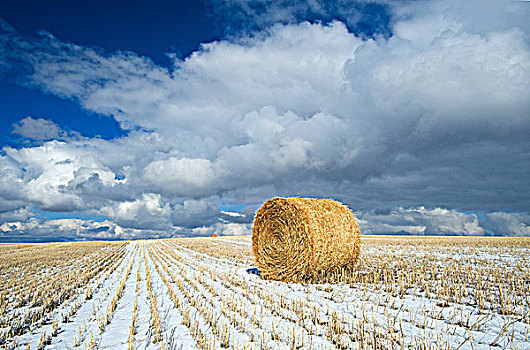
473,16
19,214
441,221
182,176
460,88
148,212
37,129
58,230
222,229
232,229
434,115
45,172
516,224
195,213
11,185
437,221
196,102
42,230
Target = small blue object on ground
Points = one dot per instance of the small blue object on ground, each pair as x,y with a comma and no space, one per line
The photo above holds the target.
255,271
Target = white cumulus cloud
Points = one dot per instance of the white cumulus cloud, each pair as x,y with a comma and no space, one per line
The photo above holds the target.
148,212
37,129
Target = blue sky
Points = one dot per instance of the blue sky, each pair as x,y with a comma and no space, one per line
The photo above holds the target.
154,119
155,30
148,28
152,29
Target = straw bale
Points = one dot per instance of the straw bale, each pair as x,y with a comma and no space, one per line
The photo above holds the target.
295,238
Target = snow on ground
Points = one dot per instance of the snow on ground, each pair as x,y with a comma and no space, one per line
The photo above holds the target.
175,333
207,298
142,338
115,334
79,326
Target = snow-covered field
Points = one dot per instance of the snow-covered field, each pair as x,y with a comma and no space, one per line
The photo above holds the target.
406,293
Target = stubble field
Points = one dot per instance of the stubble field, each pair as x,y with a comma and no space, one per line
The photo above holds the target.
406,293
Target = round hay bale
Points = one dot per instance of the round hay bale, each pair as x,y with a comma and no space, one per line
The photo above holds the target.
296,238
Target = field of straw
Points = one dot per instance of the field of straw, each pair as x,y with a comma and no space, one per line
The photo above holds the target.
205,293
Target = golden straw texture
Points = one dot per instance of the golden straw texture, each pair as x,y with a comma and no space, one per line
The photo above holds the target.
295,238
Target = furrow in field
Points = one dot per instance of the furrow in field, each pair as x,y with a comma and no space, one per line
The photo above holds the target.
174,333
243,243
115,335
143,328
